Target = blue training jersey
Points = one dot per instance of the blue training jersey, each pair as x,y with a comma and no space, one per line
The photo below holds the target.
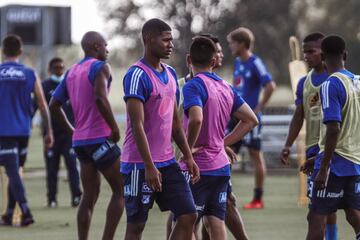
335,94
249,78
16,85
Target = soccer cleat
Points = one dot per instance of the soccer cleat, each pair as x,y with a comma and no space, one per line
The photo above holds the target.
254,204
5,220
52,204
26,219
76,201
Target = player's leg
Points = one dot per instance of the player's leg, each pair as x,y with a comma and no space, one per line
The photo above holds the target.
215,227
73,173
169,224
116,204
331,227
90,179
176,197
316,226
233,220
52,157
10,160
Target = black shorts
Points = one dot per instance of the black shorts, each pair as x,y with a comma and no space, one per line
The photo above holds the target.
103,155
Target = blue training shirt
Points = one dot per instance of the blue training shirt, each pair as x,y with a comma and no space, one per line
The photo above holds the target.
137,84
16,85
333,98
61,95
195,94
249,78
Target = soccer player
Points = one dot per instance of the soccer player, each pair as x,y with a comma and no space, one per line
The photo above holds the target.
209,103
148,163
62,143
233,220
87,85
335,182
17,83
308,108
250,76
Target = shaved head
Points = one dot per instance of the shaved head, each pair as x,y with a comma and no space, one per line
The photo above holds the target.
92,43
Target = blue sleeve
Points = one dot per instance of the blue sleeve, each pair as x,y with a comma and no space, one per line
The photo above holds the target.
238,101
94,69
261,72
137,85
173,72
333,98
299,92
194,94
61,93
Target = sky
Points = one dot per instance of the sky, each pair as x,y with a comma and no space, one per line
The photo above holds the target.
84,18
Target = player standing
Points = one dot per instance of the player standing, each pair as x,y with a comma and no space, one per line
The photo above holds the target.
335,182
17,82
250,76
148,164
209,103
308,108
87,86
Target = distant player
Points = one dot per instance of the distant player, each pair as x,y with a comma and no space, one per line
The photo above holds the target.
335,182
250,76
62,144
148,164
308,108
87,85
209,103
17,83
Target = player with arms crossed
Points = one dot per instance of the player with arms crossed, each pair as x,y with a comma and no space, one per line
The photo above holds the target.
250,76
308,108
148,164
335,182
87,86
209,103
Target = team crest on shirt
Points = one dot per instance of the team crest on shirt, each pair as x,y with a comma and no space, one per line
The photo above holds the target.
314,100
222,197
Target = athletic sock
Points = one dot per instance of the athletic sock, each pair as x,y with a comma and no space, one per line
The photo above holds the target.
9,212
331,232
358,236
258,192
24,208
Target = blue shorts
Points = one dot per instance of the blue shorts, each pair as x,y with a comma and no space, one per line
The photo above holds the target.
20,143
251,140
175,196
340,193
103,155
210,195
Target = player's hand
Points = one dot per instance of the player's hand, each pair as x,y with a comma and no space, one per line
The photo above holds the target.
192,168
153,178
231,154
48,140
284,157
308,166
115,135
321,178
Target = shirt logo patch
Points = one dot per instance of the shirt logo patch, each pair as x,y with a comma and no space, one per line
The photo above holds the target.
146,199
248,74
222,197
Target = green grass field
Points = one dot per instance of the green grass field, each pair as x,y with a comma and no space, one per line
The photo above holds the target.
281,218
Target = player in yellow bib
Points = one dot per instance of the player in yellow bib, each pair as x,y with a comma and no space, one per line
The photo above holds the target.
308,109
335,182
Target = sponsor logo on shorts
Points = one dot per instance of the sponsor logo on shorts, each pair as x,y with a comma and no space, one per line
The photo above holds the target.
146,188
222,197
146,199
199,208
323,194
357,187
